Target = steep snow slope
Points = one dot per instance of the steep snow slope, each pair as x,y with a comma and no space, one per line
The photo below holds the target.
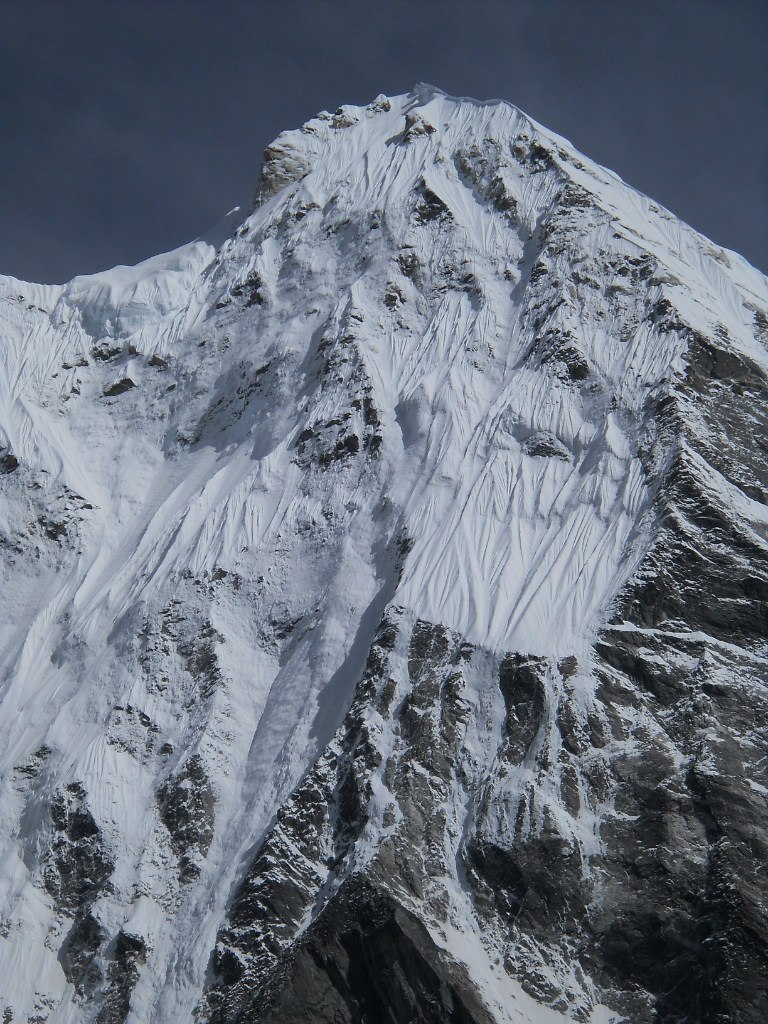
384,597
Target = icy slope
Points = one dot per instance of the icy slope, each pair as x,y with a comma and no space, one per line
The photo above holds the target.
357,651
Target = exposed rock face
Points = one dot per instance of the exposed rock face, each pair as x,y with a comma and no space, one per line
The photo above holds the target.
186,803
386,600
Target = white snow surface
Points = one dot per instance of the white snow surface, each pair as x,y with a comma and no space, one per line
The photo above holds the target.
183,495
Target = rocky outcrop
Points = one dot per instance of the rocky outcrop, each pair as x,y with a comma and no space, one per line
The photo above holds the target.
187,803
128,954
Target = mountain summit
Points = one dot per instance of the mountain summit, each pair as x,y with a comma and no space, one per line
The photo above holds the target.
385,602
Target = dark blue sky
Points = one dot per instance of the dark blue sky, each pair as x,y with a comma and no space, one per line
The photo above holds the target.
129,128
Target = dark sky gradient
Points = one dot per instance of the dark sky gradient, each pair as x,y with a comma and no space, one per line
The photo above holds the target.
129,128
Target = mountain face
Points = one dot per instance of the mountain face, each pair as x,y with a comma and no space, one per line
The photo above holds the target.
385,602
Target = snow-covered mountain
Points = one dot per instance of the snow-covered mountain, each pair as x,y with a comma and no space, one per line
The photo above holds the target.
384,602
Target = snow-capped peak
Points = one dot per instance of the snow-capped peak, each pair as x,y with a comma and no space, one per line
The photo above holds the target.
353,494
